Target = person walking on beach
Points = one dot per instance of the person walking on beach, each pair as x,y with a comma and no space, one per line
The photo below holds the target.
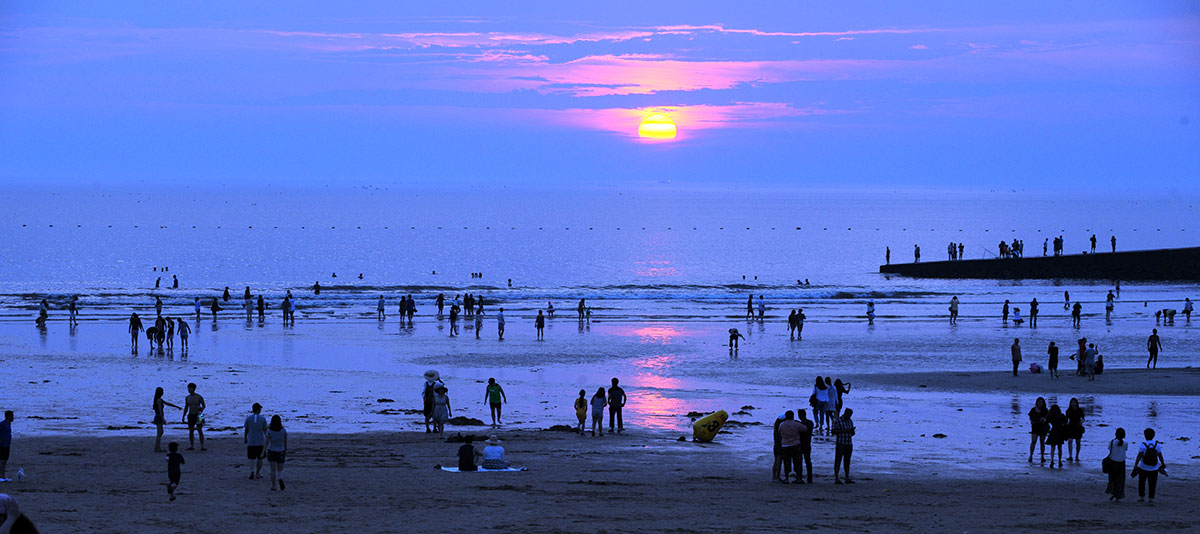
1075,429
1076,314
599,401
762,308
432,380
818,400
440,301
843,431
616,402
1052,357
500,323
160,418
800,317
170,333
1004,312
1033,313
493,395
1187,309
580,308
135,330
254,435
870,312
184,330
5,443
276,450
1153,344
193,415
1148,464
954,310
262,308
1089,361
831,407
380,314
174,461
581,408
215,307
1114,466
1039,427
1108,306
734,336
791,322
1016,355
196,304
539,323
453,320
1058,433
411,309
73,310
1066,300
442,412
749,306
478,322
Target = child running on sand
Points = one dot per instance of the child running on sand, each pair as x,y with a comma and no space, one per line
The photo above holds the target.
174,460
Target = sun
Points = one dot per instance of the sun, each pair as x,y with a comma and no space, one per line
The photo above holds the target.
657,126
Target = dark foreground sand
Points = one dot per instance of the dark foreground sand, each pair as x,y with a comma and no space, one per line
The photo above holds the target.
1161,381
637,482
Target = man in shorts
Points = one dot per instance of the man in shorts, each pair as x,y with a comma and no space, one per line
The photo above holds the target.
616,401
5,442
193,410
255,435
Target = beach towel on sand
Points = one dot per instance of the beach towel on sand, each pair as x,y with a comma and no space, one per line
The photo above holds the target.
482,470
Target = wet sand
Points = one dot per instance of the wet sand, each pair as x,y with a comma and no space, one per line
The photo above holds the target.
1161,381
636,482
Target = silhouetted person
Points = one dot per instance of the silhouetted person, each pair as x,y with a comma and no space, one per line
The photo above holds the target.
135,330
1093,243
1153,344
316,288
225,296
1113,240
887,255
916,254
174,282
540,324
1016,355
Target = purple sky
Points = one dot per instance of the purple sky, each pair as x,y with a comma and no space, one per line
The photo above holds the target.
954,94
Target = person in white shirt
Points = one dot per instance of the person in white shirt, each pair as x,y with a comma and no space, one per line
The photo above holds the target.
254,436
1115,466
500,323
1149,463
493,454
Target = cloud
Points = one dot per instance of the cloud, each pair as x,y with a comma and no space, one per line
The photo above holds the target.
919,47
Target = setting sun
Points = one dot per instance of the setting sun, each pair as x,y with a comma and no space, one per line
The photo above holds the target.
657,126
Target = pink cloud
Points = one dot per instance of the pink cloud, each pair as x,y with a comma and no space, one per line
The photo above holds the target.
919,47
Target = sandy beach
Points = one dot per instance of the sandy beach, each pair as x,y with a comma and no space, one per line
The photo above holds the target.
1161,381
635,482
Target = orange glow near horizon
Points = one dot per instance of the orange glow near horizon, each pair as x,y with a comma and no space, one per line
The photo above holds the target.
657,126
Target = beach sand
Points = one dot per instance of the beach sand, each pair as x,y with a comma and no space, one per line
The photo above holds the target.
634,482
1157,382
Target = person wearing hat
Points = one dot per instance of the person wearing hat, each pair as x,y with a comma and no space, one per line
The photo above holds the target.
432,379
493,454
441,408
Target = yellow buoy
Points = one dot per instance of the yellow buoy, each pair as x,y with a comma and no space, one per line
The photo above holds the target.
706,428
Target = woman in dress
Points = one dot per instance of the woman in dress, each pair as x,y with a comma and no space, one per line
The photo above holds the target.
159,418
1039,427
1074,428
1058,433
441,409
1117,450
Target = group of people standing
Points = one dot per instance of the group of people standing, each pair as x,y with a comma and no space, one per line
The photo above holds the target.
955,251
793,447
1014,250
1051,426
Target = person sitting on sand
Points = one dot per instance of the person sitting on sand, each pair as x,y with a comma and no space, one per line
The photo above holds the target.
599,401
493,454
12,521
581,407
468,455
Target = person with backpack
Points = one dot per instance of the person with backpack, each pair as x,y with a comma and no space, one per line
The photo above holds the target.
1148,465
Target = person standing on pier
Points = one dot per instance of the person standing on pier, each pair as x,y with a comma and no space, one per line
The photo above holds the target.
887,255
1113,240
916,253
1093,243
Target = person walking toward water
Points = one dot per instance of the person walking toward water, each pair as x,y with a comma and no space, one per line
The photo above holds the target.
762,308
262,308
276,450
254,435
749,307
1039,427
616,401
870,312
954,310
193,415
734,336
581,307
379,311
1075,429
581,407
493,396
73,309
1052,356
800,317
442,411
1033,313
1108,306
1114,465
1016,355
500,323
1153,344
1066,300
792,325
196,304
432,380
174,461
599,401
160,419
215,307
184,330
1148,464
135,330
453,320
843,430
1076,315
540,324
